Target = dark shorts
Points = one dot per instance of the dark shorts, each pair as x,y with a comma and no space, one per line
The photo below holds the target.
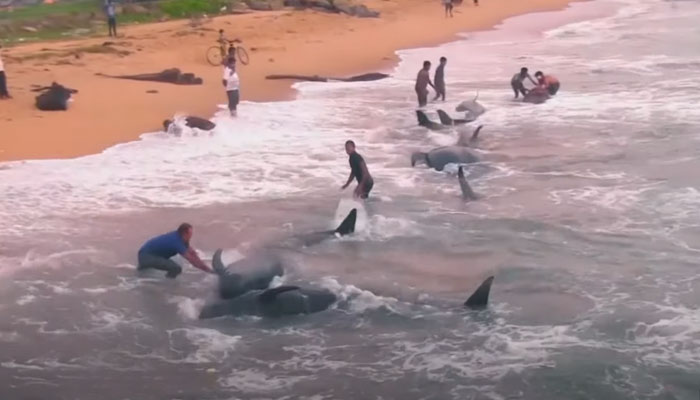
518,88
232,99
364,192
147,261
422,97
553,88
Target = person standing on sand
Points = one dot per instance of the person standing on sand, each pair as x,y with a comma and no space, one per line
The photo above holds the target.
448,7
156,252
232,85
4,94
422,82
359,171
440,79
111,18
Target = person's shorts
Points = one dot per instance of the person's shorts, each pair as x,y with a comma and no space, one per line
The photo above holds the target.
364,193
233,98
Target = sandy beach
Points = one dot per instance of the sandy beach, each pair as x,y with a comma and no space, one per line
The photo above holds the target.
108,111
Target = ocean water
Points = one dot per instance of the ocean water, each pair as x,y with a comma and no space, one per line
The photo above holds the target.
589,220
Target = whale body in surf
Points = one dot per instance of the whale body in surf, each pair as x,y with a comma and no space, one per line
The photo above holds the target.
536,96
256,271
295,300
439,157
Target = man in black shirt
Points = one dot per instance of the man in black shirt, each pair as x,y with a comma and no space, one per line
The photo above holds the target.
358,170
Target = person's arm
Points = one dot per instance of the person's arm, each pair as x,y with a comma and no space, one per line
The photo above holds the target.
365,176
532,80
349,180
191,256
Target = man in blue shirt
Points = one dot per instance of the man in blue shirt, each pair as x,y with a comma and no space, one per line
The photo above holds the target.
156,253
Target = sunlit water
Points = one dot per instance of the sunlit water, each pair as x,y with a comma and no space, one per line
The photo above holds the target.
589,220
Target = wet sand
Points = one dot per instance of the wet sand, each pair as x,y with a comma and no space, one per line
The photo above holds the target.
108,111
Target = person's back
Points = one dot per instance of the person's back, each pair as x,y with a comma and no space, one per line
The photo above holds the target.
422,80
166,245
157,251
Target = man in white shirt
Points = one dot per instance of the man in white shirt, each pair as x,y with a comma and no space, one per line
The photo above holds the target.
3,81
232,85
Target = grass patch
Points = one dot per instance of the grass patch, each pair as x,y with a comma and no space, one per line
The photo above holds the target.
190,8
40,11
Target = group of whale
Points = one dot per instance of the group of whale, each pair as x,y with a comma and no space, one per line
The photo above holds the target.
243,286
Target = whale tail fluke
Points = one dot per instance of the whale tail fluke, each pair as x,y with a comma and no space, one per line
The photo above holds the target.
480,297
445,118
348,225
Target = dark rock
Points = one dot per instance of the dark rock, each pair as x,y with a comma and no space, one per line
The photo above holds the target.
151,91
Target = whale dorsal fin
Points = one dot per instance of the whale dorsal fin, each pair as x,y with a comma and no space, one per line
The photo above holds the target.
444,118
467,192
217,263
422,118
480,297
348,225
269,295
475,135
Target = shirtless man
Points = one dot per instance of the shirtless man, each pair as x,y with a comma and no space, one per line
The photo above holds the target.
516,82
548,82
422,82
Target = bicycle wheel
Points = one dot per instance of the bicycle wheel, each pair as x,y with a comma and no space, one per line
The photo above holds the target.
214,56
242,55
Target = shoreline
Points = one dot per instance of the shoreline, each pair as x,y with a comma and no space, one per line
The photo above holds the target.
107,112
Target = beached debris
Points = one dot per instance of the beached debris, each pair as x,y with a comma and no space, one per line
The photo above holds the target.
170,75
53,98
372,76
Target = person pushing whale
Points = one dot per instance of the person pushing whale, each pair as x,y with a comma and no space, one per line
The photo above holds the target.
156,252
359,171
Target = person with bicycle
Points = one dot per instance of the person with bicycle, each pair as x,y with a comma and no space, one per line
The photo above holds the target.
232,84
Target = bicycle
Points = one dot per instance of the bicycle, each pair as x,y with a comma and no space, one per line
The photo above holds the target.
217,54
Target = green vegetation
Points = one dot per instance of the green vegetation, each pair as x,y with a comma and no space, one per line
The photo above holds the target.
65,19
188,8
39,11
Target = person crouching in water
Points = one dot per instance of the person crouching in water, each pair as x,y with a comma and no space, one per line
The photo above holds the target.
232,84
548,82
156,252
516,82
